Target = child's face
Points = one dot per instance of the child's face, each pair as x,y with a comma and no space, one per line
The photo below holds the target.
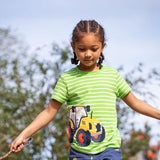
88,50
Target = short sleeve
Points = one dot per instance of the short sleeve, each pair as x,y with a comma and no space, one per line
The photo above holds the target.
122,87
60,91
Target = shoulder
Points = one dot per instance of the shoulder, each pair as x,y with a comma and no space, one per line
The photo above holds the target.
108,69
69,73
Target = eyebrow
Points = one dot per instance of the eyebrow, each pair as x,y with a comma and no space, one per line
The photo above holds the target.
85,45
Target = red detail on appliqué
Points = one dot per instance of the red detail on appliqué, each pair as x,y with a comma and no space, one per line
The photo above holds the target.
95,137
69,132
81,138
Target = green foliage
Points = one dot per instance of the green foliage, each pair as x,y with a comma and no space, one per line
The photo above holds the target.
139,80
26,84
138,141
26,87
140,83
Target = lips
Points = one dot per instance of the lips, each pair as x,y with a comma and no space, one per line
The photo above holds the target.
88,60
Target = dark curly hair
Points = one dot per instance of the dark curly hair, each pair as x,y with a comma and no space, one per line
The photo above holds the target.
88,26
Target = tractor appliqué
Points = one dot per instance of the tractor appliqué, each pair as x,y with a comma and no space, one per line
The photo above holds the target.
84,128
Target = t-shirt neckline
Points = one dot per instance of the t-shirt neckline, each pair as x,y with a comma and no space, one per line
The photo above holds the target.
88,72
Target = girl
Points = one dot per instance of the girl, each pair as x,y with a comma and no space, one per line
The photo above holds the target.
90,90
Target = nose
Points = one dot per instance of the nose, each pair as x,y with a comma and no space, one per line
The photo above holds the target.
88,54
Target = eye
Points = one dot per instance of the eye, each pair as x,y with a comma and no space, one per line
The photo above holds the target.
94,49
81,49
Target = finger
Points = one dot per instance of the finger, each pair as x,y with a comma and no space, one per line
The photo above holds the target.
19,148
16,146
12,148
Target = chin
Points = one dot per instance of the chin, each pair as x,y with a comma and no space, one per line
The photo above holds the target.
88,63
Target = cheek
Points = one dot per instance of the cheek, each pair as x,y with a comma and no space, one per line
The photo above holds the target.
98,55
79,56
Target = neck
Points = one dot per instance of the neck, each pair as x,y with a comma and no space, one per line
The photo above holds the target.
88,69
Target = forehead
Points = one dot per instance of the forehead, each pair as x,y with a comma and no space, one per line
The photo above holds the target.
88,39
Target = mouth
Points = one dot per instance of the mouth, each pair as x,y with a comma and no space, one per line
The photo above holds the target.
88,60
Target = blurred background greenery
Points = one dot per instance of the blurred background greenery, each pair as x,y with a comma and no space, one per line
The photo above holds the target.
26,84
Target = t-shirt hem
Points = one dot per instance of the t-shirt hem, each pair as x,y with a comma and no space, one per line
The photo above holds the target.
125,93
98,152
57,99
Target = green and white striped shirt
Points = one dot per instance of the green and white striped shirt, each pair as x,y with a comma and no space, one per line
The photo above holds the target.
99,89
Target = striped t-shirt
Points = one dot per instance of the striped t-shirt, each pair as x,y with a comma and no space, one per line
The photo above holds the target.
98,89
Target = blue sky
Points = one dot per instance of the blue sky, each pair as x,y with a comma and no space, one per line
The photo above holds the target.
132,27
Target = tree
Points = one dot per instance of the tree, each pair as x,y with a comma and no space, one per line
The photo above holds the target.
139,141
26,84
26,87
141,84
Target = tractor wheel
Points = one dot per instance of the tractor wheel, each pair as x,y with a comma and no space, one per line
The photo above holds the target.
99,138
83,137
70,133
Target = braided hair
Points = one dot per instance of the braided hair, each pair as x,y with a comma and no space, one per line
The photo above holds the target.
88,26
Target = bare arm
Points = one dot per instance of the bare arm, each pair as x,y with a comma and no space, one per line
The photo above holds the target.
141,106
40,121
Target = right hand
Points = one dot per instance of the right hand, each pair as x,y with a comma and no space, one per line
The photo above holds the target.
18,144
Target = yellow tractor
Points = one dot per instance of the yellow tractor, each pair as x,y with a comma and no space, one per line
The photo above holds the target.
84,127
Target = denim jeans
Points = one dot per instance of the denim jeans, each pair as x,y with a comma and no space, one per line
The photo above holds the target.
108,154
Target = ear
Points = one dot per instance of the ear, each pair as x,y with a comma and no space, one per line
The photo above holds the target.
103,45
73,46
